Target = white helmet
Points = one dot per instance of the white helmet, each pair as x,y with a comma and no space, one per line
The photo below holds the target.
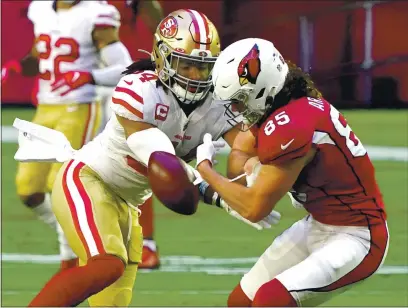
248,71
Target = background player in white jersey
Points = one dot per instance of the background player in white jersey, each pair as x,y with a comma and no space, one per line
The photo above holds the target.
72,40
301,144
161,104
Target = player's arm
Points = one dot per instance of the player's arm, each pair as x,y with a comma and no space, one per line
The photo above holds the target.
241,150
27,66
114,55
152,13
144,139
243,147
256,202
283,152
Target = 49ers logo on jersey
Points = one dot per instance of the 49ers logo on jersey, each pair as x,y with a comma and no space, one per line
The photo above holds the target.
249,67
168,27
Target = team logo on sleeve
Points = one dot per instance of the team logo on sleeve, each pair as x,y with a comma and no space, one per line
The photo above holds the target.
249,67
168,27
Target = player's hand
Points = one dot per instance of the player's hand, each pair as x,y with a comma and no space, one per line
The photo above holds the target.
208,149
8,68
69,81
272,219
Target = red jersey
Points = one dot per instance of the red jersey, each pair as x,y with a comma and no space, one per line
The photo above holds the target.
338,186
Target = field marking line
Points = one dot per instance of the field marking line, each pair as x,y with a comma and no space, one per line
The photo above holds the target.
188,292
9,135
186,264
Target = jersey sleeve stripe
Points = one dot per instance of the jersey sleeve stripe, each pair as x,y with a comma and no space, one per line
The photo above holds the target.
133,94
131,109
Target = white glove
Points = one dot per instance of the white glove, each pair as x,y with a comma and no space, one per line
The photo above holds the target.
208,149
266,223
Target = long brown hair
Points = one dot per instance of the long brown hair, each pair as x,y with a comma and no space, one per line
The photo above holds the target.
297,84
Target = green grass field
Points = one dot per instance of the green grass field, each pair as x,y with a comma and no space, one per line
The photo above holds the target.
211,233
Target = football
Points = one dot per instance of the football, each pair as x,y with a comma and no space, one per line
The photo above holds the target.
170,183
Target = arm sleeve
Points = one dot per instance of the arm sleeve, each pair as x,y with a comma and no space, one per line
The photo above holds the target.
116,58
145,142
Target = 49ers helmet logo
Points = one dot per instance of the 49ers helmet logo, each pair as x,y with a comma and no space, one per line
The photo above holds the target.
249,67
168,27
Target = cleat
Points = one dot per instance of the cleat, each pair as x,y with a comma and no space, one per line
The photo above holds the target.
150,259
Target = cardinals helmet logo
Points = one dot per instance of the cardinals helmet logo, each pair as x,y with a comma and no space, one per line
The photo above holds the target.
249,67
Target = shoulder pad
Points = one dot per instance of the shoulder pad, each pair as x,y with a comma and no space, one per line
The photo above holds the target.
105,15
287,134
135,97
36,9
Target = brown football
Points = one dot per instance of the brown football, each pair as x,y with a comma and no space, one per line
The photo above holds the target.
170,183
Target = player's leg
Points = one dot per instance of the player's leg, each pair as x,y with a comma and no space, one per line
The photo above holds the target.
31,177
79,123
119,294
287,249
340,257
89,213
150,257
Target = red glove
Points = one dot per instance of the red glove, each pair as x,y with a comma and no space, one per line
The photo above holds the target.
69,81
12,66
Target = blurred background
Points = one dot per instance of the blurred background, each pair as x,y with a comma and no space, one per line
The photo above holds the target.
357,53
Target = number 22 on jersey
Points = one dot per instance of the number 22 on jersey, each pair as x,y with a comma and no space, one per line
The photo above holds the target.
44,46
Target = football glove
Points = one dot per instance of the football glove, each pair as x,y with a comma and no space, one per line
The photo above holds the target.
208,149
69,81
8,68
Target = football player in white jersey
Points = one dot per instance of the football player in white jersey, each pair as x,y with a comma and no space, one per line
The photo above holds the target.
72,40
161,104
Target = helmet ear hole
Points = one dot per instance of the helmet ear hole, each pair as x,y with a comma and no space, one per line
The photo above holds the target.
269,101
261,93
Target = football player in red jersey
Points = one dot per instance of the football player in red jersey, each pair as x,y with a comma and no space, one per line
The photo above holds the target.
295,142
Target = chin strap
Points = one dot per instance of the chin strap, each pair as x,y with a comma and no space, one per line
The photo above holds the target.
185,96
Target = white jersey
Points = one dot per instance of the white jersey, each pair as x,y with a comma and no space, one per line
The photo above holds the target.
138,98
64,42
